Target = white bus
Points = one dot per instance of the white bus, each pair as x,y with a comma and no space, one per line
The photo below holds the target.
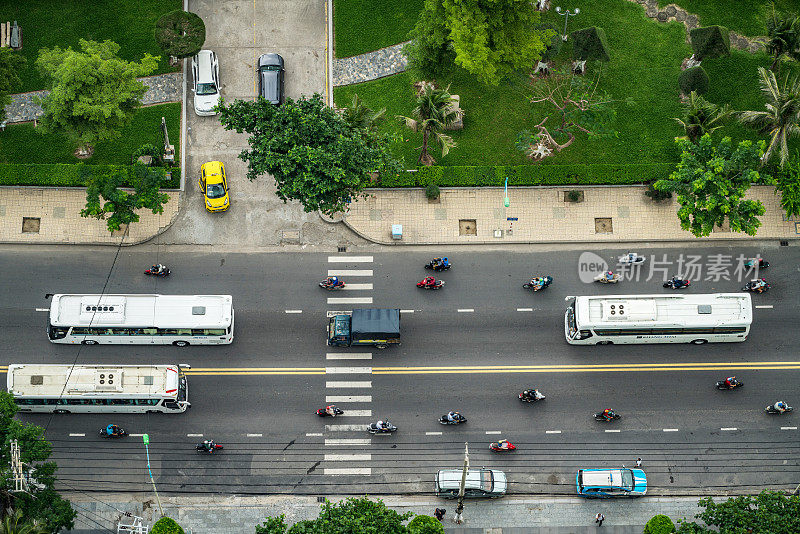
686,318
142,319
98,388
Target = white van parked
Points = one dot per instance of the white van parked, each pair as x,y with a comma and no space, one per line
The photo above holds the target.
205,70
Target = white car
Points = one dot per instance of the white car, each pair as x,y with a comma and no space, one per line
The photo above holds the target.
205,70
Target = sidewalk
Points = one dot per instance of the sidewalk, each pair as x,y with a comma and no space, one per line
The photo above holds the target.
540,215
509,515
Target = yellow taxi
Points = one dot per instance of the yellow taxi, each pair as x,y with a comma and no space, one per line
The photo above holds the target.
214,186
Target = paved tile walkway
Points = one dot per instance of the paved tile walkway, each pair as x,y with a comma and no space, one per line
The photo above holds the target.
539,215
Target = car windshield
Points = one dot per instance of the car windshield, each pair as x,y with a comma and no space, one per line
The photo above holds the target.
487,481
206,89
627,480
215,191
270,67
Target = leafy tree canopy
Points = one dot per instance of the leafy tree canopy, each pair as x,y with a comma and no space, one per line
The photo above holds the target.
315,155
11,63
770,512
93,92
789,185
711,182
362,515
120,207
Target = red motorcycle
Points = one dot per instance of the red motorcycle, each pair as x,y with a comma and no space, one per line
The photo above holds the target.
502,446
430,282
332,283
323,412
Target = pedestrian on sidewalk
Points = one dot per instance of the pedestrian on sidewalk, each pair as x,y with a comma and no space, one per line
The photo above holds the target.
439,513
638,463
599,519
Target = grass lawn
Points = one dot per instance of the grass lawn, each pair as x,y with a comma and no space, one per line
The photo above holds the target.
645,63
20,143
745,17
49,23
365,25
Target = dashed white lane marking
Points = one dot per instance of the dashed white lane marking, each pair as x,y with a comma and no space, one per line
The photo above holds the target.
348,300
77,435
42,309
348,370
612,430
349,356
347,441
466,310
348,384
345,428
293,311
194,435
406,311
524,309
765,307
356,287
348,457
349,259
788,428
433,433
349,272
255,435
669,429
313,434
357,413
492,432
351,471
552,432
729,428
348,398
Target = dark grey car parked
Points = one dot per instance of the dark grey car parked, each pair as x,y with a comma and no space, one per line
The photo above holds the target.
270,78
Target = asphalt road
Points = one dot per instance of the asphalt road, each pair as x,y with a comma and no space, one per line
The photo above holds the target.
474,361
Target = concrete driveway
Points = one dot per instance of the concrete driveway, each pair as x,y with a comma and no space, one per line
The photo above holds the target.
239,31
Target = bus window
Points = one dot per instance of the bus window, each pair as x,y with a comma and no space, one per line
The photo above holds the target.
150,331
215,332
168,331
198,332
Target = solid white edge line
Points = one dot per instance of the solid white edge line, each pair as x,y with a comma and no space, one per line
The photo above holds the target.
255,435
764,307
552,432
433,433
524,309
493,432
669,429
77,435
293,311
194,435
466,310
788,428
613,430
729,428
313,434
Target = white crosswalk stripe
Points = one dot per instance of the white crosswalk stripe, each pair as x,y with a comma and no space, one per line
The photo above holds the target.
349,259
346,428
348,370
347,441
348,471
333,384
348,457
349,300
349,356
356,287
348,398
349,272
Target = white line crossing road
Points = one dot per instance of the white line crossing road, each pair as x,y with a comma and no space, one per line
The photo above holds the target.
356,287
349,300
348,457
349,259
348,398
349,272
332,384
348,471
346,428
348,370
356,413
347,441
349,356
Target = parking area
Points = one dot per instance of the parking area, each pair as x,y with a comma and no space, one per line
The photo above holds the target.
239,31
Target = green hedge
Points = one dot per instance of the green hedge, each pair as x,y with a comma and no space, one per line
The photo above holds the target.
520,175
64,174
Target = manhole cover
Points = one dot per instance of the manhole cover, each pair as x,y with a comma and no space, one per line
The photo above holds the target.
30,225
602,225
467,227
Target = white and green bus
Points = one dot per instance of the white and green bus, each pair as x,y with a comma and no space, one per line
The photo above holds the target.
179,320
52,388
682,318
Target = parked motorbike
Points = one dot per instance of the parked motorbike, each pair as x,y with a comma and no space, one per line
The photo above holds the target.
458,419
323,412
599,416
331,285
756,262
757,286
388,428
771,409
201,447
543,282
443,264
158,270
603,279
536,396
735,384
631,258
502,446
430,282
677,283
120,433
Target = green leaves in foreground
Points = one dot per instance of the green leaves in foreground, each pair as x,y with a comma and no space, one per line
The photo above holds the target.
362,515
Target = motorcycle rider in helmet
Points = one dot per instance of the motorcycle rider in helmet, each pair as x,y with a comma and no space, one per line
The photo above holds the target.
608,414
781,406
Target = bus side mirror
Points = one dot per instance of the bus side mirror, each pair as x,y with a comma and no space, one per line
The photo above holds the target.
184,366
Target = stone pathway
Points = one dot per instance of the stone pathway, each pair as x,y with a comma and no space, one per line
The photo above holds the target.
161,88
390,60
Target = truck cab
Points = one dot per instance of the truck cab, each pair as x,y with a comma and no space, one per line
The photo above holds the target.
339,331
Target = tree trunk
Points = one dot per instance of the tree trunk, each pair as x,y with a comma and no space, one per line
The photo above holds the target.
423,157
775,63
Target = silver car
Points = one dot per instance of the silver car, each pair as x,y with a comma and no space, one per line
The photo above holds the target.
270,78
205,70
480,483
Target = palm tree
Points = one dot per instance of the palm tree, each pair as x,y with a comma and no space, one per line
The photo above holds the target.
781,120
702,117
783,32
358,115
13,523
435,110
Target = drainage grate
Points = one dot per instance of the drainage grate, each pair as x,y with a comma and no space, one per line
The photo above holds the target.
30,225
320,499
784,243
342,249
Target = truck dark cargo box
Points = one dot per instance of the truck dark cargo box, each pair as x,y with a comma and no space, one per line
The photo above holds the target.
370,324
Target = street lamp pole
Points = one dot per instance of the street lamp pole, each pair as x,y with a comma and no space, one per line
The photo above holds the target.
459,518
146,440
566,14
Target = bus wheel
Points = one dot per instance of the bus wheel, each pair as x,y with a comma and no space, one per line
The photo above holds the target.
181,343
699,341
604,343
88,342
60,411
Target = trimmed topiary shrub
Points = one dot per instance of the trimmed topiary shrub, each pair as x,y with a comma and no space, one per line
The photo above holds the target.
710,42
166,525
659,524
694,79
180,33
589,44
432,191
425,524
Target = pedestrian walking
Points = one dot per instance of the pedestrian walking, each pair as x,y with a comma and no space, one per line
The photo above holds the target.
439,513
599,519
638,463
